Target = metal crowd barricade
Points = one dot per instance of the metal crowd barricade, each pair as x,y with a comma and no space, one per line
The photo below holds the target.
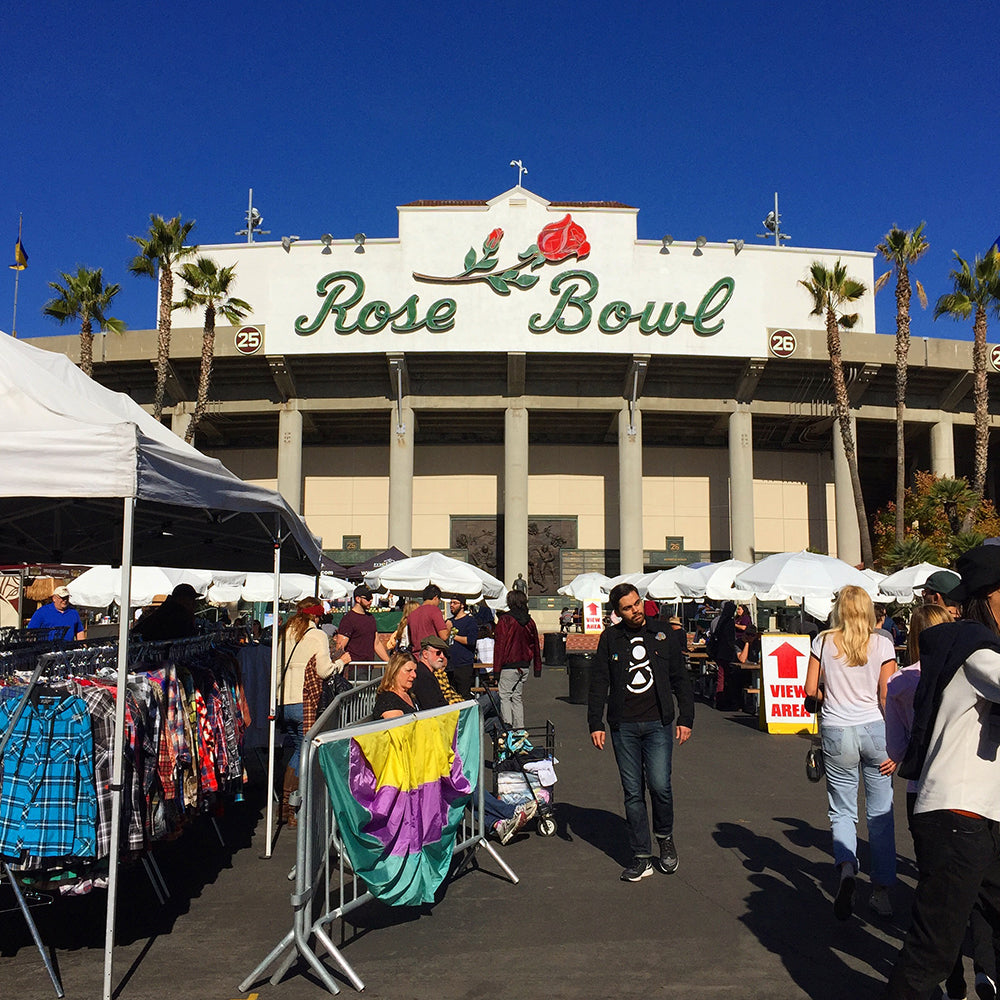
326,888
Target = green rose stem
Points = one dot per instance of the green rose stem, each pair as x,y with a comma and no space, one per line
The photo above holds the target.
468,279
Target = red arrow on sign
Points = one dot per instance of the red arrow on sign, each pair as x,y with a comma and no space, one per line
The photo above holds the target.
788,658
591,609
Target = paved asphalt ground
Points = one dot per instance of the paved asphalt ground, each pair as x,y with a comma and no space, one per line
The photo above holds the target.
748,914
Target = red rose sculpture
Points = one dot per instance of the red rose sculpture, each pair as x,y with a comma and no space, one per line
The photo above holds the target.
492,242
563,239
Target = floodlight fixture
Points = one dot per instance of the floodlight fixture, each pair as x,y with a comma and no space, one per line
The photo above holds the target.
737,245
698,244
287,241
326,239
360,238
667,240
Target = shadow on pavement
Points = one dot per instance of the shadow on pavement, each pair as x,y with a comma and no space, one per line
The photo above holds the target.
601,829
791,914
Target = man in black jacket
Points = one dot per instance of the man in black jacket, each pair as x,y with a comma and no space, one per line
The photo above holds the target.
637,673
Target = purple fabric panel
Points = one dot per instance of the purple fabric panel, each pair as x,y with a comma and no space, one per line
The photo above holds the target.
404,822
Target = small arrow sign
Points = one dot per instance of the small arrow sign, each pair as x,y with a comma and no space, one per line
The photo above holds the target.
591,609
788,657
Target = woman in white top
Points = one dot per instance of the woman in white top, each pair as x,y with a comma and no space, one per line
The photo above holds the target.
302,641
854,664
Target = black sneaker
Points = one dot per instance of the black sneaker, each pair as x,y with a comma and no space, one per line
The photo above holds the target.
843,904
640,868
667,861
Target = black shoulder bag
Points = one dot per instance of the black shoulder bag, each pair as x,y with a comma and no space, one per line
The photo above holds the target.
815,765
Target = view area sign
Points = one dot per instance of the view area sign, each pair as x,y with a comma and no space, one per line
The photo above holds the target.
784,660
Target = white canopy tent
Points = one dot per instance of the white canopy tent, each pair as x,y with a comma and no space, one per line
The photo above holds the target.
410,576
293,587
90,477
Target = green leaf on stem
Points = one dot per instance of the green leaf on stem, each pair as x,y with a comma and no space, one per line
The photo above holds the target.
470,259
530,252
499,285
525,280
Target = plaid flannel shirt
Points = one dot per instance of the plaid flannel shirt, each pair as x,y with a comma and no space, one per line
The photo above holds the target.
48,802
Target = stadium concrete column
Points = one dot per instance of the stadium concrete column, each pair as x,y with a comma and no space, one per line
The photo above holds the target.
401,480
848,536
290,455
515,493
180,420
943,447
630,489
741,517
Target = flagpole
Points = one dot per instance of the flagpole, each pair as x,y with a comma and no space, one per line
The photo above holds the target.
17,279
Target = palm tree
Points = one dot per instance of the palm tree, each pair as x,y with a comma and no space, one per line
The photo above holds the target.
830,289
901,248
977,291
208,288
84,296
159,250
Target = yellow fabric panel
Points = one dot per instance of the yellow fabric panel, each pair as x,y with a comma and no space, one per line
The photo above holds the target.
406,757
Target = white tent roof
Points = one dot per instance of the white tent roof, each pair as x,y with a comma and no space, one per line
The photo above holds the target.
70,446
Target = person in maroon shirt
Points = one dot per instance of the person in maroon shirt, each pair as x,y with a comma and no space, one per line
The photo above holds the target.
427,619
357,633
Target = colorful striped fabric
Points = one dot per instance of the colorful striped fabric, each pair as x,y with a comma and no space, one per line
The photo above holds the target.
399,794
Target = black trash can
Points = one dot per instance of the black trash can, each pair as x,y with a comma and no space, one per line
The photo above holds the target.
554,650
579,677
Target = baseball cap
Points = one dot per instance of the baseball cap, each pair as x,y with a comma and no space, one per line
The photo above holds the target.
942,581
61,592
362,590
433,642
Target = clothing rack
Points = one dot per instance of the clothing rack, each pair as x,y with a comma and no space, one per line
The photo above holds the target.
62,658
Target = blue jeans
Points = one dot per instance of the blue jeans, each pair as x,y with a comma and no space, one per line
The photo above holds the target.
293,734
846,749
644,751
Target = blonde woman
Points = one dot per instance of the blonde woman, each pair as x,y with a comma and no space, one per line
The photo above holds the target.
854,664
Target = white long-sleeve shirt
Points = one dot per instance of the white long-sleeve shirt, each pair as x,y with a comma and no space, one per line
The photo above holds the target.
962,768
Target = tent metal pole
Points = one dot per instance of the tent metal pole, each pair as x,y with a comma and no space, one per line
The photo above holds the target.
271,724
118,758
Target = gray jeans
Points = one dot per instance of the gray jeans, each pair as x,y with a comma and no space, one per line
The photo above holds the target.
510,688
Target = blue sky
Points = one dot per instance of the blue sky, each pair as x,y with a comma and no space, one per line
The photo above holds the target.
860,116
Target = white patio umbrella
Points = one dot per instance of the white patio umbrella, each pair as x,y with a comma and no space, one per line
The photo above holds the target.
100,586
900,585
587,587
801,575
640,581
410,576
719,581
293,587
677,583
878,596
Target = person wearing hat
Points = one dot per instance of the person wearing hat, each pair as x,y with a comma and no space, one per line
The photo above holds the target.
954,755
939,589
431,686
59,615
357,633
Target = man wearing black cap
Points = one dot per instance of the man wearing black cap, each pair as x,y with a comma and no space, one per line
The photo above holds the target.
357,632
954,751
431,686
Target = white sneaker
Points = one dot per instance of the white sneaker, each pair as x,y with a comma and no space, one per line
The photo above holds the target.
880,902
525,812
506,829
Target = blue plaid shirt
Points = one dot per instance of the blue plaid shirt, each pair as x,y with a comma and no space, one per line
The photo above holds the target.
48,801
